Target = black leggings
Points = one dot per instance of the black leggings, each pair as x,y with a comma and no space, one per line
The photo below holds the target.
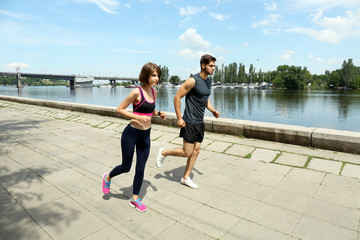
130,138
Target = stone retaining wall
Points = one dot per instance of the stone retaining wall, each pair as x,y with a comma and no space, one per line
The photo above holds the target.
336,140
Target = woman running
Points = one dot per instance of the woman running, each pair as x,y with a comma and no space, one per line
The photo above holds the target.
137,132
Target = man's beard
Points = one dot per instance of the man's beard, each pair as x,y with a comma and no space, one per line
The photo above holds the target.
208,72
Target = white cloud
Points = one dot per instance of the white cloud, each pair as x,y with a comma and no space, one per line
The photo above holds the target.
270,6
16,15
311,5
218,16
190,10
270,19
45,34
220,49
287,54
332,30
108,6
190,54
312,56
194,40
14,65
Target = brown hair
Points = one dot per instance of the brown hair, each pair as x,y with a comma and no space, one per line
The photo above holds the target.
146,72
206,59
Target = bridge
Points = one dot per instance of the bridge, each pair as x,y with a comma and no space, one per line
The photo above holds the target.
72,78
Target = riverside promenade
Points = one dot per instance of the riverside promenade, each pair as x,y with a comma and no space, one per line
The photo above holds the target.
52,161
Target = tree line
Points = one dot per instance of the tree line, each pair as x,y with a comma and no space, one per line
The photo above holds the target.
11,80
290,77
285,76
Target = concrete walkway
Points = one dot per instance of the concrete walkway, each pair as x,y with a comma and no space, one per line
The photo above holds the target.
52,161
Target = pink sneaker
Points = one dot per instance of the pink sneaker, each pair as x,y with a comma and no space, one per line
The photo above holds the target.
138,205
105,184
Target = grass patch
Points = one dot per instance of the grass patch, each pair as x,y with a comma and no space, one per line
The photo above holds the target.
276,157
308,161
227,148
248,156
342,167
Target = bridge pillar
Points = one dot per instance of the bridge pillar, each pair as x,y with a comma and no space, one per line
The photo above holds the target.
18,80
72,84
113,83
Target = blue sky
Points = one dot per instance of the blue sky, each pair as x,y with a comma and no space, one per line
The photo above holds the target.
116,37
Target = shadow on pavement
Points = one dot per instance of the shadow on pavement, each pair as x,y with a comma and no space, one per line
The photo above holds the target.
127,191
24,206
176,174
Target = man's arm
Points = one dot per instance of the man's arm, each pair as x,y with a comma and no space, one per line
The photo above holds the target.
183,90
210,107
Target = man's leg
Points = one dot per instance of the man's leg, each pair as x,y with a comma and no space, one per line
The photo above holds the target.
185,151
192,158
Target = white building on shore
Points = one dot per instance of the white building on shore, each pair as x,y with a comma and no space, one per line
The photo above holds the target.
84,82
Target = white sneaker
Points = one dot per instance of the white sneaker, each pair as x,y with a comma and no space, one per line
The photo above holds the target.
188,182
160,158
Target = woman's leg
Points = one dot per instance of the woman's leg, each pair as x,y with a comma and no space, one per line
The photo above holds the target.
142,154
128,141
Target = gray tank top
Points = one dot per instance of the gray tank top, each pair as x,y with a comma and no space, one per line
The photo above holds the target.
196,100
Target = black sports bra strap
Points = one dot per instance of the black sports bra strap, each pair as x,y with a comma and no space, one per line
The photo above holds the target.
141,95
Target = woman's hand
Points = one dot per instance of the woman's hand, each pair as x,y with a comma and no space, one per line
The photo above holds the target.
163,115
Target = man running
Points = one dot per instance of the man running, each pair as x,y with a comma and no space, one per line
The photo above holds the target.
197,90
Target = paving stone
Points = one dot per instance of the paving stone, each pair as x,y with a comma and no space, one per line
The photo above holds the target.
335,214
287,200
179,231
292,159
203,194
264,155
227,202
338,196
178,212
210,221
240,150
247,163
325,165
30,199
297,186
310,228
54,211
103,125
248,230
76,226
21,226
344,183
251,190
273,217
218,146
307,175
108,233
167,137
9,206
264,178
152,224
351,170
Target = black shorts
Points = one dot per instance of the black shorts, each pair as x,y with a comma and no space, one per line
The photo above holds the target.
193,132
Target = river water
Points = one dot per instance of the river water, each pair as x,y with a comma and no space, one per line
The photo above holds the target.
334,109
